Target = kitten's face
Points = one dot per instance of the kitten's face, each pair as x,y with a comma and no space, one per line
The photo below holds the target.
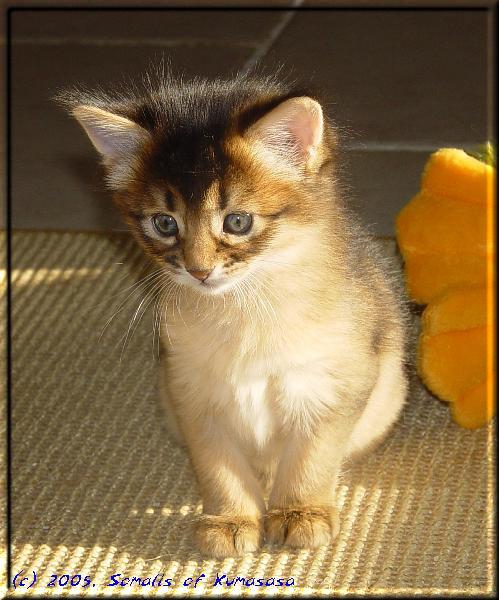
213,202
243,221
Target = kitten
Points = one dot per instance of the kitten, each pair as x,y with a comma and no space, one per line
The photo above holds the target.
284,347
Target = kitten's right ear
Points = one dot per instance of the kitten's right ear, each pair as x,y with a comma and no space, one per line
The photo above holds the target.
112,135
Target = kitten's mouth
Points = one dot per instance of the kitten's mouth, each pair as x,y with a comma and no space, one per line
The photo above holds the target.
212,287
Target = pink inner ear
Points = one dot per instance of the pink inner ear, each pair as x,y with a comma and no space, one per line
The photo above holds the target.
292,130
311,124
111,134
306,128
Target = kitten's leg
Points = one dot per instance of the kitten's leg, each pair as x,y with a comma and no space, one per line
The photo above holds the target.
233,502
383,407
166,402
301,511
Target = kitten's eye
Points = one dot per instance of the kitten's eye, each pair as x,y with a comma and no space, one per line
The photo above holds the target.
165,225
238,223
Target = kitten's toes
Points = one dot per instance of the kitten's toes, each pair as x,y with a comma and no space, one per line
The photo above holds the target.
220,537
301,527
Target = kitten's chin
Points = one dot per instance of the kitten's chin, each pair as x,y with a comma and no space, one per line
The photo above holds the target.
216,288
210,288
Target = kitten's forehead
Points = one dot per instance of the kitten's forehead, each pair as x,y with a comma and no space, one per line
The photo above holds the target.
194,162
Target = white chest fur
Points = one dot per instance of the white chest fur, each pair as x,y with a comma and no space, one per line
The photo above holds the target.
253,410
261,381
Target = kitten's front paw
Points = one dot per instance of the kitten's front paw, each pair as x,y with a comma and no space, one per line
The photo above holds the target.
219,536
301,527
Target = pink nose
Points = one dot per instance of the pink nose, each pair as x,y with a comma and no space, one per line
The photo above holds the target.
201,275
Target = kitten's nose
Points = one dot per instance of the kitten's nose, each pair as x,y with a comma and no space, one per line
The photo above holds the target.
201,275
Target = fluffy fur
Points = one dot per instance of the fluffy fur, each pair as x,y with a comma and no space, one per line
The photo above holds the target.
283,346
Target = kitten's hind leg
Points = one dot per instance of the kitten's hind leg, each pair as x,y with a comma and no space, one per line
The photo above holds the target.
383,407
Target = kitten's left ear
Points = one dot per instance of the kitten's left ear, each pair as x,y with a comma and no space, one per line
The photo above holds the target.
112,135
292,132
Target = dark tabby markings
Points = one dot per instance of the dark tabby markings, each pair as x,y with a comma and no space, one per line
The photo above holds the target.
170,204
254,246
172,260
223,199
279,213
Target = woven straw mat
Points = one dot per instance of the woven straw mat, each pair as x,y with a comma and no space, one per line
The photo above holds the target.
98,489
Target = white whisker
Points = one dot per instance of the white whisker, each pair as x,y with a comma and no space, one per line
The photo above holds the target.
133,285
147,299
142,286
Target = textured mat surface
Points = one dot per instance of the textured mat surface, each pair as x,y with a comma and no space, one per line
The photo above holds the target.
98,489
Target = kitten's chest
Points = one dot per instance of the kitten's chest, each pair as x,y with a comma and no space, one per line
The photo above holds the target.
251,406
253,379
233,379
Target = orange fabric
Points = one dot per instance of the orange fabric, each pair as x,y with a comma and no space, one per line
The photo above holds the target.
444,238
473,409
459,308
452,361
429,275
452,173
438,224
